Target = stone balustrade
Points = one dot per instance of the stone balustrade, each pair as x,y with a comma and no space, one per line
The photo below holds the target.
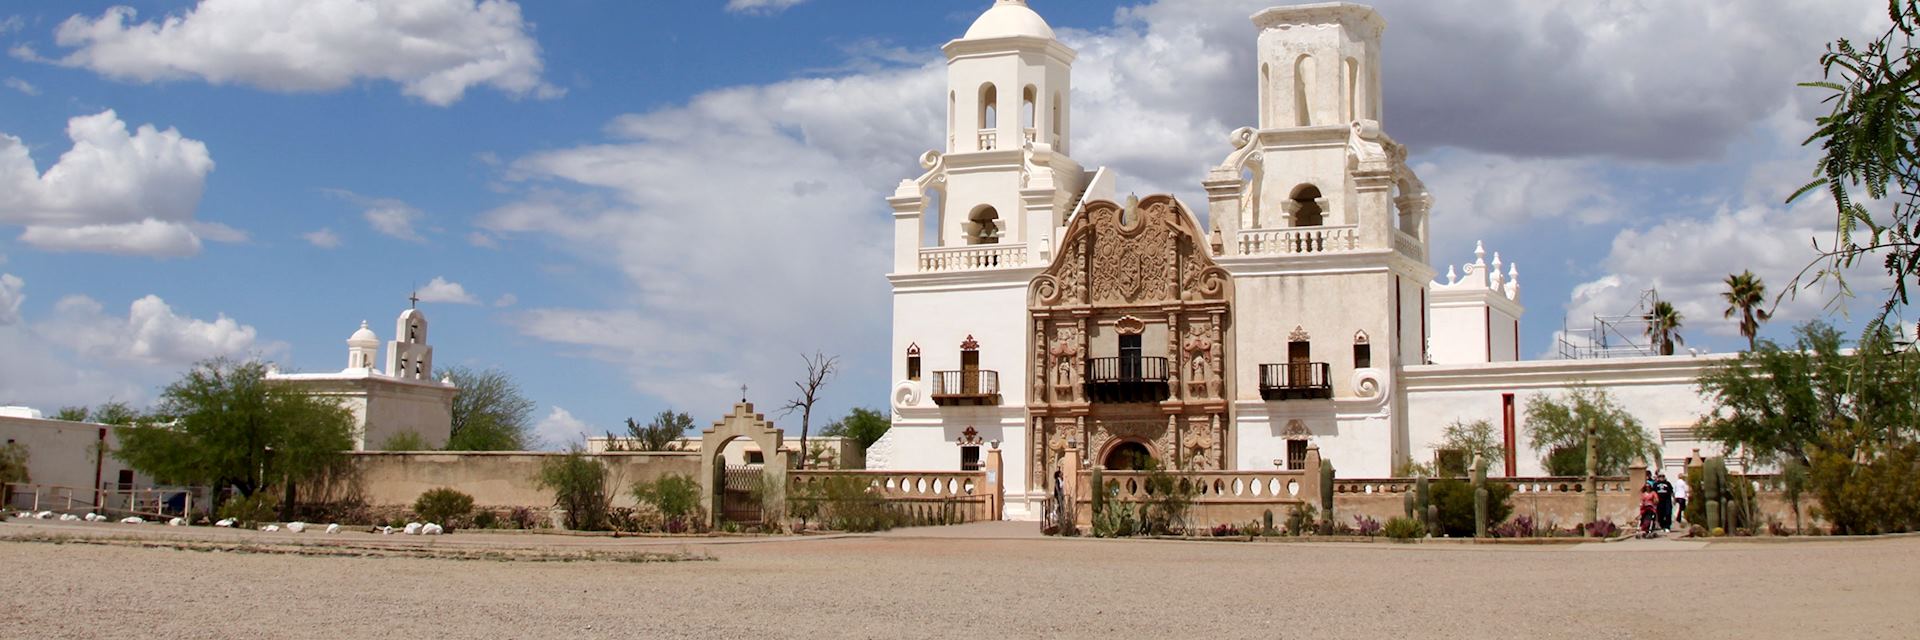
1299,240
989,139
1210,487
911,489
1407,245
1521,485
973,257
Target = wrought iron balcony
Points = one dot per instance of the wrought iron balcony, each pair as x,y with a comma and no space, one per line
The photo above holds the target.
1127,379
965,388
1296,381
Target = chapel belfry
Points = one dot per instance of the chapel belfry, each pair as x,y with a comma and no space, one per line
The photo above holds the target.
409,357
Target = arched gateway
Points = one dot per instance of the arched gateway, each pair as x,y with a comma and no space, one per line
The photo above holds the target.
1130,335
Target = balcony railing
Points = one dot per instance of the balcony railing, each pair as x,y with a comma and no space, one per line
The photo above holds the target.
1408,245
1299,240
969,258
1295,381
1127,379
969,387
989,139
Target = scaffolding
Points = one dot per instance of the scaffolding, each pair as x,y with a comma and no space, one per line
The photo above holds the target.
1611,336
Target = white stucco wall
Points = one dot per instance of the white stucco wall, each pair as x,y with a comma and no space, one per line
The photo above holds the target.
67,454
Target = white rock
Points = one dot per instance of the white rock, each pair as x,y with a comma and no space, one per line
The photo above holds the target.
68,517
132,520
94,517
177,522
431,529
413,528
225,522
297,527
44,515
333,528
23,515
386,530
270,528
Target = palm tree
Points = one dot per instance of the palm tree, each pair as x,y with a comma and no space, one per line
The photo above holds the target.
1745,291
1663,326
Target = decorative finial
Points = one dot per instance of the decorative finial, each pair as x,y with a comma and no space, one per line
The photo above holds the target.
1479,251
1451,276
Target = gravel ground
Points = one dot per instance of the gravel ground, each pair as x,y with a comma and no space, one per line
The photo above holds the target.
985,582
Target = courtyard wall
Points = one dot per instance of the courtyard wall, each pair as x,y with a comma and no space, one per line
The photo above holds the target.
498,479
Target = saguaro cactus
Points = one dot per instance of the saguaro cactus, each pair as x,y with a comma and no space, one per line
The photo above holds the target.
1425,500
1099,492
1712,477
1406,504
1326,490
1479,498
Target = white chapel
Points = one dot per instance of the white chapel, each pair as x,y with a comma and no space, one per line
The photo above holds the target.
403,397
1034,307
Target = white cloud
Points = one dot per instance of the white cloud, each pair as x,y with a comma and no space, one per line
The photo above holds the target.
560,429
439,290
12,23
482,240
12,293
151,333
323,237
761,7
144,238
114,191
21,86
435,49
506,300
396,219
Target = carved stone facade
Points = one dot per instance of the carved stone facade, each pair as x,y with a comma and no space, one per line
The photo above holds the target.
1140,276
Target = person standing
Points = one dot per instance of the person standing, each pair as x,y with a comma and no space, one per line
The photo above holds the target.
1681,490
1664,490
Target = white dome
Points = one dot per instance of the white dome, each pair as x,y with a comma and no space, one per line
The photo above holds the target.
364,337
1009,18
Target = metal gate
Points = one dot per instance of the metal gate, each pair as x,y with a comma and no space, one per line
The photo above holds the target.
740,495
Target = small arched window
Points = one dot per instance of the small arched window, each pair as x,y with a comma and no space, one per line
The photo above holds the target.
1029,110
913,361
989,107
931,213
1305,204
1266,88
1353,90
1302,84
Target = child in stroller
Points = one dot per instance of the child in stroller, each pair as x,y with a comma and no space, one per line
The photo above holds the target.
1649,505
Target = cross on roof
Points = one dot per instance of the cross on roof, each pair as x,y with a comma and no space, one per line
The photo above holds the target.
413,301
743,393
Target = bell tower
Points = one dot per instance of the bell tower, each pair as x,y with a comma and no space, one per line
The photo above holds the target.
409,357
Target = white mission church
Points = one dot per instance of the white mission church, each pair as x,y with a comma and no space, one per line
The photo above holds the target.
1039,308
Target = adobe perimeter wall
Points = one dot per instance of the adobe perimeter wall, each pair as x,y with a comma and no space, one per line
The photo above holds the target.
498,479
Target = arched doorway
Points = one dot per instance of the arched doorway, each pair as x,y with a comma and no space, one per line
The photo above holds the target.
1128,455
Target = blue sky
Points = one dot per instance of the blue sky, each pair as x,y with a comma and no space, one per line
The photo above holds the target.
647,204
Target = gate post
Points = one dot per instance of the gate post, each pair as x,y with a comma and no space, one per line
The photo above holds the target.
996,486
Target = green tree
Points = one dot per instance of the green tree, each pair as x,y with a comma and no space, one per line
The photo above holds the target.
71,414
1558,428
1469,439
861,425
663,433
406,441
1745,292
1775,404
489,412
114,413
1868,140
223,423
13,463
579,486
1663,326
677,496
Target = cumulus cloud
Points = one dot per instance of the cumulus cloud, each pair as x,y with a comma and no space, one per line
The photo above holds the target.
560,429
323,238
115,191
506,300
12,293
388,216
21,86
434,49
439,290
761,7
151,333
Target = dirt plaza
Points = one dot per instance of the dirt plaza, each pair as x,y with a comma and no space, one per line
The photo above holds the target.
983,580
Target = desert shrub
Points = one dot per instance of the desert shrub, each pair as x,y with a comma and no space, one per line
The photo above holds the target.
523,518
1366,526
486,519
13,464
1601,529
1226,530
445,506
1169,497
676,496
260,507
626,520
1301,518
1455,498
579,486
1403,529
1877,496
1518,527
405,441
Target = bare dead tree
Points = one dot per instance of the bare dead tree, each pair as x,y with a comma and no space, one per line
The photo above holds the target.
820,367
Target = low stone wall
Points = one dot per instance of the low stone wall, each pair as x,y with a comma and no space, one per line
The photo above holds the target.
497,479
1561,502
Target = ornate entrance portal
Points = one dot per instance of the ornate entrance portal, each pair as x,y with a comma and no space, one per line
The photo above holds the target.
1130,339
